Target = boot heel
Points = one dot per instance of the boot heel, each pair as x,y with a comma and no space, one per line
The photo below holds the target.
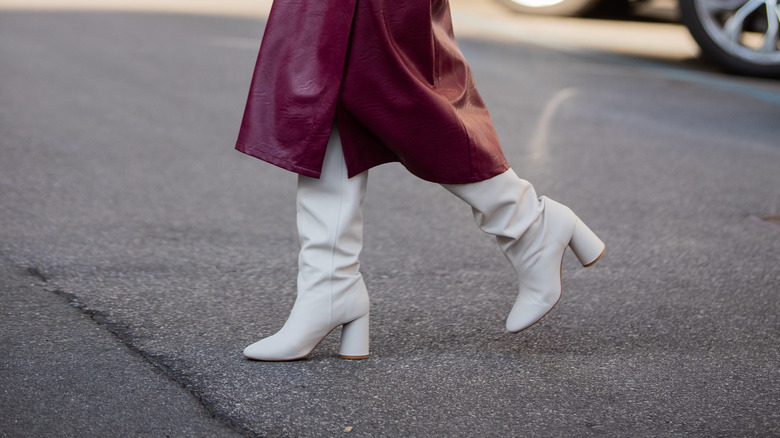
354,339
586,245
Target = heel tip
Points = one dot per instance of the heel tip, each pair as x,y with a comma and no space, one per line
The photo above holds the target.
344,356
596,259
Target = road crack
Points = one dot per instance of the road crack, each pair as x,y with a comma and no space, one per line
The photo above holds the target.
125,336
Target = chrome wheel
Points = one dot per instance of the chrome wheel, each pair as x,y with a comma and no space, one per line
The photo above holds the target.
742,34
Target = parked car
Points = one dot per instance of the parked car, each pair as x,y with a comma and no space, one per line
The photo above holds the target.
740,35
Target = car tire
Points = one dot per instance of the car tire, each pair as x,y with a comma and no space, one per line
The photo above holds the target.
561,8
739,34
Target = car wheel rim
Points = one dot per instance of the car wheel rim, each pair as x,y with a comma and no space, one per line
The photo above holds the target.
744,29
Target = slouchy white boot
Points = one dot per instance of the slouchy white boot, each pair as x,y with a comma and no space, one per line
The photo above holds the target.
533,233
331,291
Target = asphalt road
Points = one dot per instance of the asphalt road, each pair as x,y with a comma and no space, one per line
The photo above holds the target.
140,253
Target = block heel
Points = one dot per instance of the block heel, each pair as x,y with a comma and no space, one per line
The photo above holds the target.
354,339
586,245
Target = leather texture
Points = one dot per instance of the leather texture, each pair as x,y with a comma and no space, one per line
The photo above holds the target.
533,233
390,74
331,291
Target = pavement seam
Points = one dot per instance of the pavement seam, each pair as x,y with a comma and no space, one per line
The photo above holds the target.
124,335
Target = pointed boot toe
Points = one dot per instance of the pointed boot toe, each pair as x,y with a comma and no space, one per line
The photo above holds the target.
530,307
272,350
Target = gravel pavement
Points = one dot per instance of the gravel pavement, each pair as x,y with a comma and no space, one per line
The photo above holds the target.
140,253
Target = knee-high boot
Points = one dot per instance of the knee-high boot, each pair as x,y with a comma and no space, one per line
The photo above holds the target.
533,233
331,292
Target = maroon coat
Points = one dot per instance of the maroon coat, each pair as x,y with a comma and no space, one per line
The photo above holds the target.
391,75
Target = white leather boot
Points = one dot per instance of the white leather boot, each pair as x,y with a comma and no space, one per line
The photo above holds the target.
331,291
533,233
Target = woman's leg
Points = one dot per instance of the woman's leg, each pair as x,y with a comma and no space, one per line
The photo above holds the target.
331,291
533,233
